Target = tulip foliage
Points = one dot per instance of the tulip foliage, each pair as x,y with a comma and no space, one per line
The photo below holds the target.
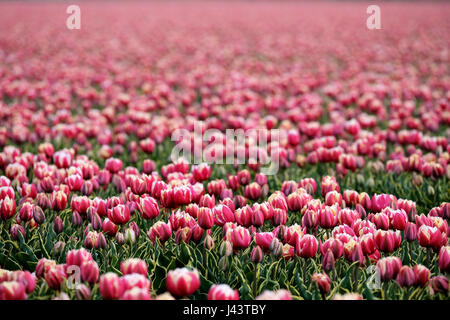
94,206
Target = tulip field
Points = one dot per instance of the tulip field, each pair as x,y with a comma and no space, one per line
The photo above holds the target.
94,204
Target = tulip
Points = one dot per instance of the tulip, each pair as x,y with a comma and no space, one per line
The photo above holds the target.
205,218
182,195
12,290
410,231
226,248
59,200
306,246
82,292
208,243
119,214
328,261
136,280
90,272
192,209
328,217
26,278
233,182
182,282
278,200
43,266
310,219
406,277
367,244
256,255
240,237
201,172
136,294
265,208
444,259
58,248
222,292
75,182
431,237
15,230
58,225
76,219
381,201
120,238
279,216
94,239
148,207
385,240
26,212
55,276
281,294
222,214
207,201
253,191
389,267
7,208
133,265
113,165
293,233
111,286
160,230
77,257
244,216
244,177
439,284
348,296
322,281
421,274
381,220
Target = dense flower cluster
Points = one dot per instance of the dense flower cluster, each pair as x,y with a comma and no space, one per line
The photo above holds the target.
91,207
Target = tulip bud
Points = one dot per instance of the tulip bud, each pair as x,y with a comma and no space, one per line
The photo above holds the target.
417,179
15,230
256,255
444,259
129,236
38,215
208,242
226,248
223,263
58,225
439,284
276,247
58,248
322,281
406,277
83,292
120,238
360,209
410,232
133,225
76,219
96,221
328,261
